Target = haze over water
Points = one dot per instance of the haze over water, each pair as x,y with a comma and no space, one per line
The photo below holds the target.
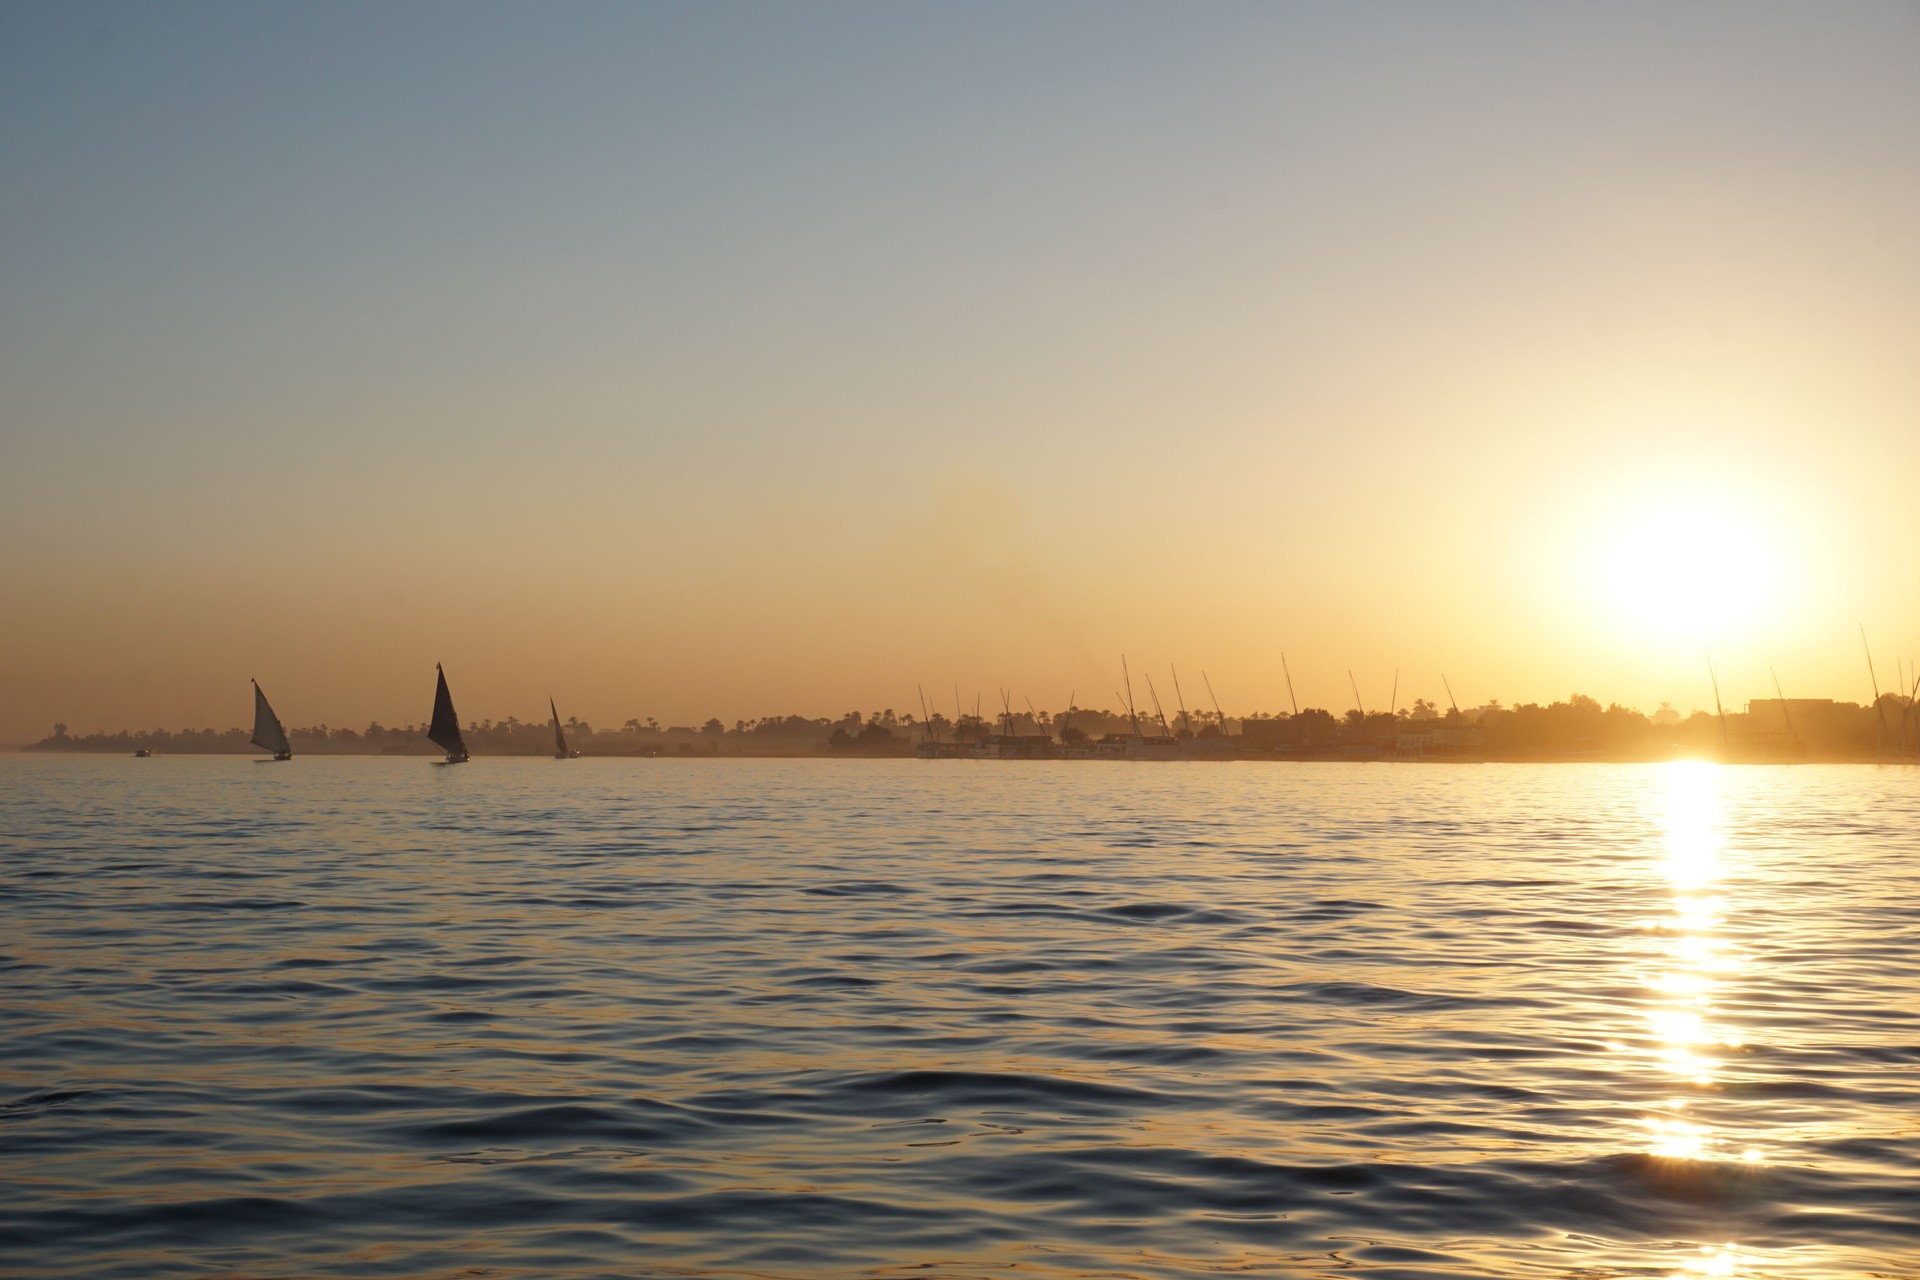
369,1017
682,360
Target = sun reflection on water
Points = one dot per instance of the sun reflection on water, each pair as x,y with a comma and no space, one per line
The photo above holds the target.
1695,962
1724,1260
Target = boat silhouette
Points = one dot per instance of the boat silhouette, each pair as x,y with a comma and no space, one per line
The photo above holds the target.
560,751
268,733
444,732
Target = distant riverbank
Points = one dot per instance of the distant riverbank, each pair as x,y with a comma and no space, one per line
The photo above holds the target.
987,754
1577,729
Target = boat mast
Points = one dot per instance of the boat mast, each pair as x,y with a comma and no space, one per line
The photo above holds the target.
1455,702
1908,709
1718,710
1878,709
1216,704
1356,694
1180,698
926,721
1154,694
1785,713
1289,675
1899,678
1128,681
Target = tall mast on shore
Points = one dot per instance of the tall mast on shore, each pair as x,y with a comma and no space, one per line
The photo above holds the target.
1718,710
1216,703
1128,681
1878,709
1179,697
1907,711
1289,675
1154,694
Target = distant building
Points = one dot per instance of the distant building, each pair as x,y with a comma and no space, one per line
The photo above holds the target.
1799,716
1436,740
1801,726
1286,734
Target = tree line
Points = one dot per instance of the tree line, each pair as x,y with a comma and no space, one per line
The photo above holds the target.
1577,727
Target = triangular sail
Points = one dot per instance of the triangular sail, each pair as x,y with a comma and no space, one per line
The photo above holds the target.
444,732
267,733
559,738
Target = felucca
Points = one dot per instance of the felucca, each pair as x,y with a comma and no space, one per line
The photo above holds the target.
444,732
560,751
268,734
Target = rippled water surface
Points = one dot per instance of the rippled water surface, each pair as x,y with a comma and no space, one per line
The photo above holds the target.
367,1017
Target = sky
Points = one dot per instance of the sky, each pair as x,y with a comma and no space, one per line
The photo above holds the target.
750,359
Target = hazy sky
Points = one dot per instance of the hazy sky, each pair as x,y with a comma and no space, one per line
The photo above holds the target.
742,359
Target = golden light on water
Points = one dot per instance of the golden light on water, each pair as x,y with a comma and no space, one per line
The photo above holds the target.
1716,1261
1695,960
1681,1022
1693,835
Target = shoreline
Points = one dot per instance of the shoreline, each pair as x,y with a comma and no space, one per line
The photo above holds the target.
430,755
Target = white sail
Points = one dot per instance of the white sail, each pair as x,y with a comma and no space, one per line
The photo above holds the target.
268,735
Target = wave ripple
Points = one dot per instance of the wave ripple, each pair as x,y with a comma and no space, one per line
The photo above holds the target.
811,1019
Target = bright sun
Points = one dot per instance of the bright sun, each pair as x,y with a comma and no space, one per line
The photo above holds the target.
1691,572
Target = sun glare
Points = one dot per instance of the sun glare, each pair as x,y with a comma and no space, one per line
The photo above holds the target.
1691,572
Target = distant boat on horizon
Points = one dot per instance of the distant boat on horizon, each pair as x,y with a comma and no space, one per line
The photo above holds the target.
268,733
444,732
560,751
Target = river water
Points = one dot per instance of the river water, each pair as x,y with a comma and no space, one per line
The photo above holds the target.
373,1018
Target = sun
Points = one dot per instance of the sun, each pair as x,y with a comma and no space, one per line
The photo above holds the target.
1691,572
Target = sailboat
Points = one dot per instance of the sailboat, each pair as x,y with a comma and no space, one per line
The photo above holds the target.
560,751
444,732
268,735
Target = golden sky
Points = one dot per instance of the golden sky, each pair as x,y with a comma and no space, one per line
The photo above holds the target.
683,362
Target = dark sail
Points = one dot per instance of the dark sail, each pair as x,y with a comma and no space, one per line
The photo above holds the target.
559,738
445,729
267,733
